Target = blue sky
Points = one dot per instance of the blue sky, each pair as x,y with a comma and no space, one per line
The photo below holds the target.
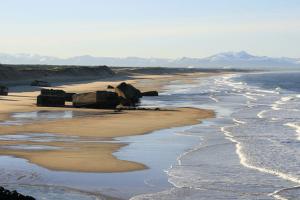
150,28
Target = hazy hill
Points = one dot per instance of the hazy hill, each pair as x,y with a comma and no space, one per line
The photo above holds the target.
239,60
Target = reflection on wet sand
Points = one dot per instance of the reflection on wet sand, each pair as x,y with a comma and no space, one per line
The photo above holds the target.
61,152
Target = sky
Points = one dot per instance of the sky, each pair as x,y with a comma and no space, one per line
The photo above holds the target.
150,28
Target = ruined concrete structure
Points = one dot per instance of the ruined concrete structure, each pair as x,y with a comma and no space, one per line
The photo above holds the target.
98,99
124,95
3,90
50,101
128,94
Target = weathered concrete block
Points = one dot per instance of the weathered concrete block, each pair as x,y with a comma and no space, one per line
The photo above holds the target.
99,99
3,90
52,92
69,96
61,93
50,101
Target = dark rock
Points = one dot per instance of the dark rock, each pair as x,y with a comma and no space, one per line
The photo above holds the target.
99,99
40,83
150,93
130,95
110,87
13,195
50,101
3,90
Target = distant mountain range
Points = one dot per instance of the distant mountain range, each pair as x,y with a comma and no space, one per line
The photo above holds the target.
223,60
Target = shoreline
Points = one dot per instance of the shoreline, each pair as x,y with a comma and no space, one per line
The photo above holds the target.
70,155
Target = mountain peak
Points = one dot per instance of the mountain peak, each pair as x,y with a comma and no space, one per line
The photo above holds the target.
240,55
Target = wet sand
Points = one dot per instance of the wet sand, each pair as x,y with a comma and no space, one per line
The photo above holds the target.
94,153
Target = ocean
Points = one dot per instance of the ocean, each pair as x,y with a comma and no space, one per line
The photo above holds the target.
251,150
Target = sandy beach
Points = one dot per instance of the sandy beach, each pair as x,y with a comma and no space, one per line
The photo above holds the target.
99,126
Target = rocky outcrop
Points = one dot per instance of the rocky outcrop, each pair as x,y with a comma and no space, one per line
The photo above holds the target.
150,93
98,99
13,195
128,94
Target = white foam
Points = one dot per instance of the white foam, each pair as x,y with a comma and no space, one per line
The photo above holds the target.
278,89
275,107
244,161
277,195
287,98
267,91
214,99
250,97
255,94
295,126
282,101
178,159
275,119
238,121
261,114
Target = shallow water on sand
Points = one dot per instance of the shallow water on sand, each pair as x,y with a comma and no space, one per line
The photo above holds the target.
157,150
20,118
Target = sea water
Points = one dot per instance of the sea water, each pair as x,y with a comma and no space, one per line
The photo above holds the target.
251,150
